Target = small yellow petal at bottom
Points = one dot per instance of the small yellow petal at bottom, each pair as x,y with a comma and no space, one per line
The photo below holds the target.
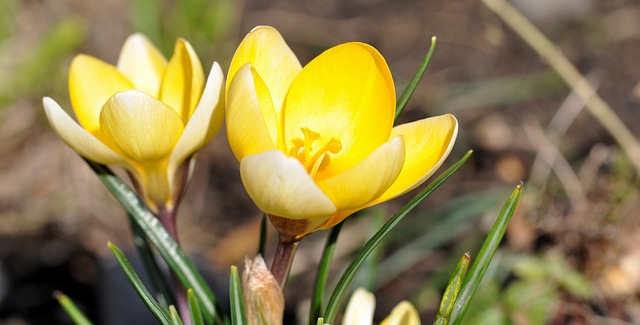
403,314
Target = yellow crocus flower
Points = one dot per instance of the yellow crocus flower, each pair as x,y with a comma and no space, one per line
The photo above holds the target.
362,305
146,114
316,144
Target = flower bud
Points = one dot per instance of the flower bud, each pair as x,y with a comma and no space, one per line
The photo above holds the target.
263,297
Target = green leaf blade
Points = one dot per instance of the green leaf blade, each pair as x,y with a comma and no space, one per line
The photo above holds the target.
238,316
158,312
453,289
486,253
71,309
343,284
322,275
175,317
413,84
161,239
194,308
159,282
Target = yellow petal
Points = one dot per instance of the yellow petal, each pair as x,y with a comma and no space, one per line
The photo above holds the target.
367,180
183,81
204,123
251,119
78,138
155,188
428,142
270,55
346,93
281,186
91,83
142,127
142,63
360,308
403,314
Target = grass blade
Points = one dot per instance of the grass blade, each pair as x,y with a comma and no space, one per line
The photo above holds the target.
166,246
159,282
160,313
411,87
194,308
175,317
238,316
71,309
322,274
485,255
453,289
343,284
263,235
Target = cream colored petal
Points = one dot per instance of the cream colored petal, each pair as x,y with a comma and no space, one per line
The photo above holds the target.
91,83
403,314
251,120
280,185
360,308
143,128
346,93
428,143
204,123
78,138
367,180
265,49
142,63
183,80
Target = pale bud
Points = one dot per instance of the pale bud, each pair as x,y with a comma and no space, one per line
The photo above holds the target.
263,297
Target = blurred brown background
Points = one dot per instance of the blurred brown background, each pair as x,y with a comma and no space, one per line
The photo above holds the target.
571,255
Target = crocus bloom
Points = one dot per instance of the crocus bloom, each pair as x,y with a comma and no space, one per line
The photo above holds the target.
146,114
362,306
316,144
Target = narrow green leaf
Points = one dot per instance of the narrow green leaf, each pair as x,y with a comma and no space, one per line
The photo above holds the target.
322,274
194,308
159,282
452,291
166,246
485,255
411,88
263,235
153,306
175,317
343,284
238,316
71,309
369,274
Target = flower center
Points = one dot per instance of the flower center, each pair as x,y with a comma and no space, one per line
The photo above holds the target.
308,152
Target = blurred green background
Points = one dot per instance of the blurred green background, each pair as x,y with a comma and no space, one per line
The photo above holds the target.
571,254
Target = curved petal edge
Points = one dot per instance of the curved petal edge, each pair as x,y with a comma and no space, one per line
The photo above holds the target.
281,186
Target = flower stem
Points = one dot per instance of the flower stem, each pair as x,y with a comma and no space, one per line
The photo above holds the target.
168,220
283,258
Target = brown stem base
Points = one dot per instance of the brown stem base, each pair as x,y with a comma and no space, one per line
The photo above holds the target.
283,258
